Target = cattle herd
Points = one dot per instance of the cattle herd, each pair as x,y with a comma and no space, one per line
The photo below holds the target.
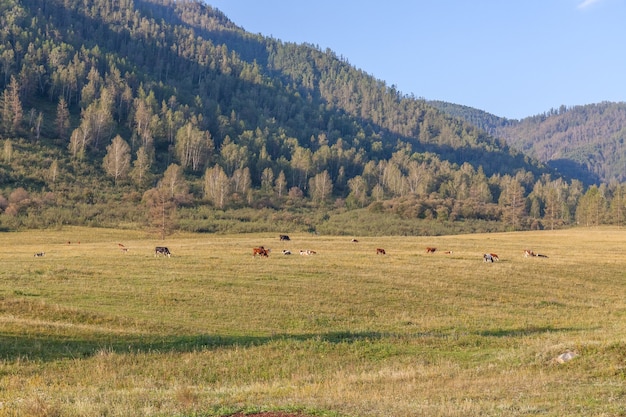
487,257
263,252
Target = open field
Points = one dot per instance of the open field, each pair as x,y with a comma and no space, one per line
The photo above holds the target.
87,330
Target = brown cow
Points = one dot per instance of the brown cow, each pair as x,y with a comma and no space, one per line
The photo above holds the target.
431,250
261,251
494,257
528,252
380,251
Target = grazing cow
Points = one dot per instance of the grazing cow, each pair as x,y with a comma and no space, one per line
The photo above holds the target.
40,254
528,252
284,237
162,250
380,251
261,251
286,252
487,257
494,257
431,250
448,252
354,241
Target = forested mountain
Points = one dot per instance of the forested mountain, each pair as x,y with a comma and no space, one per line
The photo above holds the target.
169,113
575,140
584,142
479,118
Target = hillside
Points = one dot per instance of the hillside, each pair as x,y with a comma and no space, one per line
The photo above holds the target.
169,107
584,142
579,139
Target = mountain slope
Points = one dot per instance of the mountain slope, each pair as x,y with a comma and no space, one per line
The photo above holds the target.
584,142
586,138
114,101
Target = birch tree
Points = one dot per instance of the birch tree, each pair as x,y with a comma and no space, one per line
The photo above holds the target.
216,186
117,159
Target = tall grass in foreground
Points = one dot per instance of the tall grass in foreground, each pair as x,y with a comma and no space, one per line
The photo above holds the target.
87,330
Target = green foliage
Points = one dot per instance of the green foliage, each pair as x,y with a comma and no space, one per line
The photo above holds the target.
286,126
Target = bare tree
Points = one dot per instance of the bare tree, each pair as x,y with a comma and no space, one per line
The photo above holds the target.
63,118
161,210
12,112
141,167
192,146
217,186
117,160
174,183
320,187
8,151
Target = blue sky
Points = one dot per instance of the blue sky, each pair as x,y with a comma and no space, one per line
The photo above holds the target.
512,58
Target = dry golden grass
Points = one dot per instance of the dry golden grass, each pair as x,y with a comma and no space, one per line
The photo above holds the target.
88,330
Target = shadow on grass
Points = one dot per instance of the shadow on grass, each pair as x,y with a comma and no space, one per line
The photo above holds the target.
525,331
50,348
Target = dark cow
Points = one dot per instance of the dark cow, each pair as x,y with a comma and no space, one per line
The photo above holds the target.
40,254
380,251
355,241
261,251
162,250
284,237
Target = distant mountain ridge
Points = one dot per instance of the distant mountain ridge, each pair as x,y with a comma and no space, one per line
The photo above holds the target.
585,142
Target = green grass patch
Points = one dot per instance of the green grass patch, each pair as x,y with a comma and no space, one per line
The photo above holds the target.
89,330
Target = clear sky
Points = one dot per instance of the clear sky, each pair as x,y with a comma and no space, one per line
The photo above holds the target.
512,58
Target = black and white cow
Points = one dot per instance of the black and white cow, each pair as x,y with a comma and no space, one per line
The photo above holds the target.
284,237
162,250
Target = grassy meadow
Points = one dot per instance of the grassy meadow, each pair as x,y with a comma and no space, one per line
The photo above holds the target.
88,330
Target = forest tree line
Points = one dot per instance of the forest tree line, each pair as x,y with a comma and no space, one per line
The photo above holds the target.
162,108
